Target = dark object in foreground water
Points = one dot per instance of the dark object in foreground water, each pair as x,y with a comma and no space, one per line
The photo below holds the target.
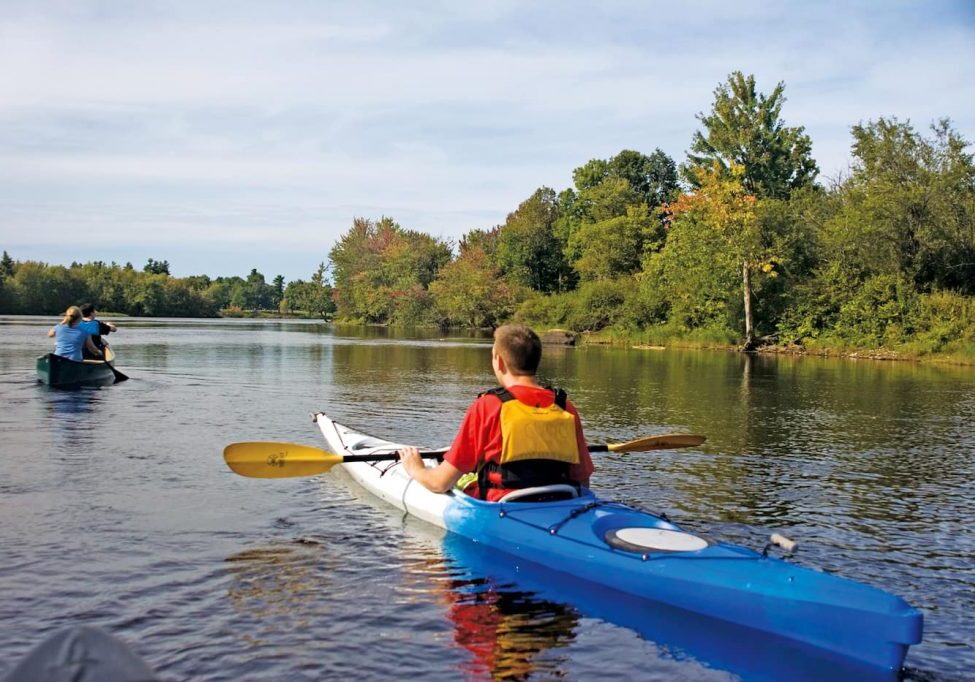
81,654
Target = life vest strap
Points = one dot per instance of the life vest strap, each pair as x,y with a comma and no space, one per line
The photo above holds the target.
504,395
529,473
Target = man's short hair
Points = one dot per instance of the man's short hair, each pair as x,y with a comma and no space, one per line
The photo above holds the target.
520,348
88,309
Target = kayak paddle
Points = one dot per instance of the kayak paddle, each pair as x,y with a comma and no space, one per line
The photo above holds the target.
666,441
266,459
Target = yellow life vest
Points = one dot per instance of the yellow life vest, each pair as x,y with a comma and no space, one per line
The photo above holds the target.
538,445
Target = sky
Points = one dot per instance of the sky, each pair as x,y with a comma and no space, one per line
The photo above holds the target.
225,135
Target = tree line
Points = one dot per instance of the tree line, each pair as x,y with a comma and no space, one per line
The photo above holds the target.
739,243
31,287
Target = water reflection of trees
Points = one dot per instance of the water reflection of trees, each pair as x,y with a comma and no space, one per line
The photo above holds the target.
788,437
279,586
414,392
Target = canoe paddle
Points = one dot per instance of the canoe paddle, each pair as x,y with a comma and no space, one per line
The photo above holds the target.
264,459
109,355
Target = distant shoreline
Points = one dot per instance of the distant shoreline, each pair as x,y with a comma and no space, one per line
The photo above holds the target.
608,337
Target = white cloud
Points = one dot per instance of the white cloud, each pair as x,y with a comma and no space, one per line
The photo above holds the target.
274,124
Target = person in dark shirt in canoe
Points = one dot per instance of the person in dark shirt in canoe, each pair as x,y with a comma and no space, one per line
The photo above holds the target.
70,338
96,328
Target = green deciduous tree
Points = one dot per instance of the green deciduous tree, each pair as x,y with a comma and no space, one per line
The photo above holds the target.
718,222
470,292
908,208
614,247
615,197
147,295
653,177
312,298
528,251
382,271
745,128
221,291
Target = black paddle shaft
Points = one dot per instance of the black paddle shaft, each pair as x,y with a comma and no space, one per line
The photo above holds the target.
390,455
433,454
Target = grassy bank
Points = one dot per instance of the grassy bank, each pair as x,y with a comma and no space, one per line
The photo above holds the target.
960,353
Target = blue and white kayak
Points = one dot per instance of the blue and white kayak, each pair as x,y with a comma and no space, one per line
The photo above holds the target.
649,558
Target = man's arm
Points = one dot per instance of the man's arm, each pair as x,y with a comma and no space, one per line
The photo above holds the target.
439,479
92,348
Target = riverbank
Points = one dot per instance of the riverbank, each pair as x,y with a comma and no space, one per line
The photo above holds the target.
962,353
963,356
237,313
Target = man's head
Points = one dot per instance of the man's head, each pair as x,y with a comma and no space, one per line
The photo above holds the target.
519,347
88,310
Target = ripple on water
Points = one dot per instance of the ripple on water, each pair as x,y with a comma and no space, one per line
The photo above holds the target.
116,509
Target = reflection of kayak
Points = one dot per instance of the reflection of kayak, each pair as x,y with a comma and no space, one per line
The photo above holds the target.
61,372
79,654
680,636
648,558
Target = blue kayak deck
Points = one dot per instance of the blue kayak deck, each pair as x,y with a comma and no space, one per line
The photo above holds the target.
732,583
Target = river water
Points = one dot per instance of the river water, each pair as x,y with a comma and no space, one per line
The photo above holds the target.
116,508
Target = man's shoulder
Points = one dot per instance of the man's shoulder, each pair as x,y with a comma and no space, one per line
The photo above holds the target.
485,404
533,393
489,397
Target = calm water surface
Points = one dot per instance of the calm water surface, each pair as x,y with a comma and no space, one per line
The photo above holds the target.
116,508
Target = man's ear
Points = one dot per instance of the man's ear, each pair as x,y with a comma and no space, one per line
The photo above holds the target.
501,365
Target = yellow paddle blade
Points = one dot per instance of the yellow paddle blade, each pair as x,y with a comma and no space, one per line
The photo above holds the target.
278,460
667,441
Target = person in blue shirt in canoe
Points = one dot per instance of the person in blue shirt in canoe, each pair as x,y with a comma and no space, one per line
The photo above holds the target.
70,338
96,328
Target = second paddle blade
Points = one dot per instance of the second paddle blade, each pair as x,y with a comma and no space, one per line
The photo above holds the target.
667,441
278,460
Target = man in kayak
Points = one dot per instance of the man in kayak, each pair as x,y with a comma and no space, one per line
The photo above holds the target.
519,435
96,328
